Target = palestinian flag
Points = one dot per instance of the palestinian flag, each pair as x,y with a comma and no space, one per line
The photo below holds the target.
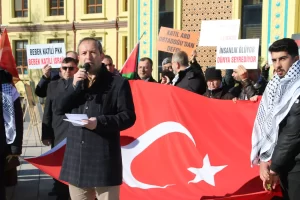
129,68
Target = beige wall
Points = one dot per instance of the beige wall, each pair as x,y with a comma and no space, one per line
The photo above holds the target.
38,15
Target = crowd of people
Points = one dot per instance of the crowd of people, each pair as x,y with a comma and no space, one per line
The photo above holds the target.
92,162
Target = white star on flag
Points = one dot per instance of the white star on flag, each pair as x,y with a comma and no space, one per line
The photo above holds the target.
206,173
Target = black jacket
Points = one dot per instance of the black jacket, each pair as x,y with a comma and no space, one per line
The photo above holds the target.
286,155
244,90
41,88
220,93
151,79
228,79
192,80
54,127
93,157
265,72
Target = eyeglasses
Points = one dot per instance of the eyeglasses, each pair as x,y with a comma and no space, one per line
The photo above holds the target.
70,68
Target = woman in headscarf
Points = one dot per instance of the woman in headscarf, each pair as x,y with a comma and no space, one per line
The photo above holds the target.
11,131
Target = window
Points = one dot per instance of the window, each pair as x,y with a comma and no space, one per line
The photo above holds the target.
94,6
56,7
251,19
20,56
21,8
166,19
125,8
125,49
51,41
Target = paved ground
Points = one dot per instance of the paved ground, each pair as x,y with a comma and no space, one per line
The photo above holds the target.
32,183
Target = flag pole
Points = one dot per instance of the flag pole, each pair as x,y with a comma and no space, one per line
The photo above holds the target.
142,35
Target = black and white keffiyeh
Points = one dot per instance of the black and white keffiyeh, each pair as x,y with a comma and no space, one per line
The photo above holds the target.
9,95
276,102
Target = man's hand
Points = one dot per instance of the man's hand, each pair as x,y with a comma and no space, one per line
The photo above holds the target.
194,55
274,178
47,142
264,171
242,72
267,65
91,123
234,100
46,71
165,80
254,98
79,76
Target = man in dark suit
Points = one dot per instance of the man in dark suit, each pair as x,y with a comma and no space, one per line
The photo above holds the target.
187,77
54,127
92,161
145,69
49,75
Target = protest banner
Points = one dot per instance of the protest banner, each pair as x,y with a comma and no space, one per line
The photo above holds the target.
231,54
176,156
38,55
270,62
215,31
171,40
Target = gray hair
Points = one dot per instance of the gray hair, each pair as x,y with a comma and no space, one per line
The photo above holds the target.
166,61
181,57
97,42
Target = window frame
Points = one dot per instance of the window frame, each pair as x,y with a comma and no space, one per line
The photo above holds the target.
57,8
24,65
95,5
23,10
84,15
50,41
245,25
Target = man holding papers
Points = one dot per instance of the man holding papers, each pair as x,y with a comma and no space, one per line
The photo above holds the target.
92,162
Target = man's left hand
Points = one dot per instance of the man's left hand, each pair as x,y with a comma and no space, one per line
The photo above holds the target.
91,123
242,72
274,178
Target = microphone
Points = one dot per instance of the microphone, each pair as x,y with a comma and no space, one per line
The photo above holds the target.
86,67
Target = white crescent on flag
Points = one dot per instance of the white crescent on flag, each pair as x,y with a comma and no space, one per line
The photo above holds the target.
132,150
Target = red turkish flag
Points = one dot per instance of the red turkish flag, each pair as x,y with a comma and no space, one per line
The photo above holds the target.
7,60
184,146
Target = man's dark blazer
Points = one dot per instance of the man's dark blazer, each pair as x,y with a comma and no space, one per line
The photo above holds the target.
54,128
41,88
93,157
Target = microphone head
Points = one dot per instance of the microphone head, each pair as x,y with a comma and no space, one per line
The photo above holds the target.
86,66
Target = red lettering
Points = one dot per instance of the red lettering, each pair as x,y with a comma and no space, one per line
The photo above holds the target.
243,59
46,61
58,60
223,59
34,61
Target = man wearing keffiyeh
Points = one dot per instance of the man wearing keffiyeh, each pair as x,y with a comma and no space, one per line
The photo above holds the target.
276,132
11,130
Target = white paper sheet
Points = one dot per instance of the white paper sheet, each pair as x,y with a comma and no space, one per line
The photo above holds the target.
75,119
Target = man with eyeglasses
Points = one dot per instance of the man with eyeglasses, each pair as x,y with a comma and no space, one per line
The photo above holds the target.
108,61
49,75
54,127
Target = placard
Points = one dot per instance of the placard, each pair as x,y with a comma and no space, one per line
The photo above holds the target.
38,55
231,54
172,40
215,31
